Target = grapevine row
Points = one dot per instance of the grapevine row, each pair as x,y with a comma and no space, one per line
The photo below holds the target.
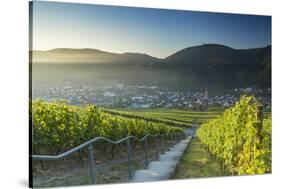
240,138
58,126
157,120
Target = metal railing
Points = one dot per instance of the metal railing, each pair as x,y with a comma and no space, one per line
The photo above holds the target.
91,157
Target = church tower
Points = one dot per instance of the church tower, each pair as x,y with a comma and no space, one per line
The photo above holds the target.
206,94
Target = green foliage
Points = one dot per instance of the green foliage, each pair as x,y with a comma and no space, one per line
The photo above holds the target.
173,117
239,139
58,126
150,118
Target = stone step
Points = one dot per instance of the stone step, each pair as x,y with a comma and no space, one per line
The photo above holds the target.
154,165
175,153
167,157
164,167
146,175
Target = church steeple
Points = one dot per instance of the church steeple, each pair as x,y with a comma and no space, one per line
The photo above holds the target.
206,94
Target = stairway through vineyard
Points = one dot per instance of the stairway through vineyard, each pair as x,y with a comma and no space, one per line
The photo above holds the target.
165,166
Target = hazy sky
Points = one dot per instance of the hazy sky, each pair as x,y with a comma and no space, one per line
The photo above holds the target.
156,32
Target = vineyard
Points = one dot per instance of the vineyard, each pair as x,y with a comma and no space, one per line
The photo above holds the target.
240,138
237,141
58,127
174,117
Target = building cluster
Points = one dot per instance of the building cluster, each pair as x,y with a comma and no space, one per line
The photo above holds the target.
140,96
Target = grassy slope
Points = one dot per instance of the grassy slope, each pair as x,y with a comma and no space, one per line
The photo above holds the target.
196,163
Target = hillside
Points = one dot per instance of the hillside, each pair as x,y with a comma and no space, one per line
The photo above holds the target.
206,65
67,55
213,64
210,54
213,54
207,54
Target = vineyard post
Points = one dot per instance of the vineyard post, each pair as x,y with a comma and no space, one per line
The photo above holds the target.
92,163
156,149
163,143
81,155
129,158
260,118
169,138
145,152
259,126
42,164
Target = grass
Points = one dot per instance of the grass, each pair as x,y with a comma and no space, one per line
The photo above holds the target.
197,163
80,176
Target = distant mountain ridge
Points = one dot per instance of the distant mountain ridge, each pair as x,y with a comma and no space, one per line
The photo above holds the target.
204,65
196,55
72,50
87,55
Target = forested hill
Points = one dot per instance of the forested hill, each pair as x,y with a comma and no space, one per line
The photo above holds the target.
227,67
214,54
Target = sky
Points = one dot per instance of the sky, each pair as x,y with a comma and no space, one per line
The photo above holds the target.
157,32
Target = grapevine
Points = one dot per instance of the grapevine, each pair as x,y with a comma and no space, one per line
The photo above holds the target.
239,138
58,126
